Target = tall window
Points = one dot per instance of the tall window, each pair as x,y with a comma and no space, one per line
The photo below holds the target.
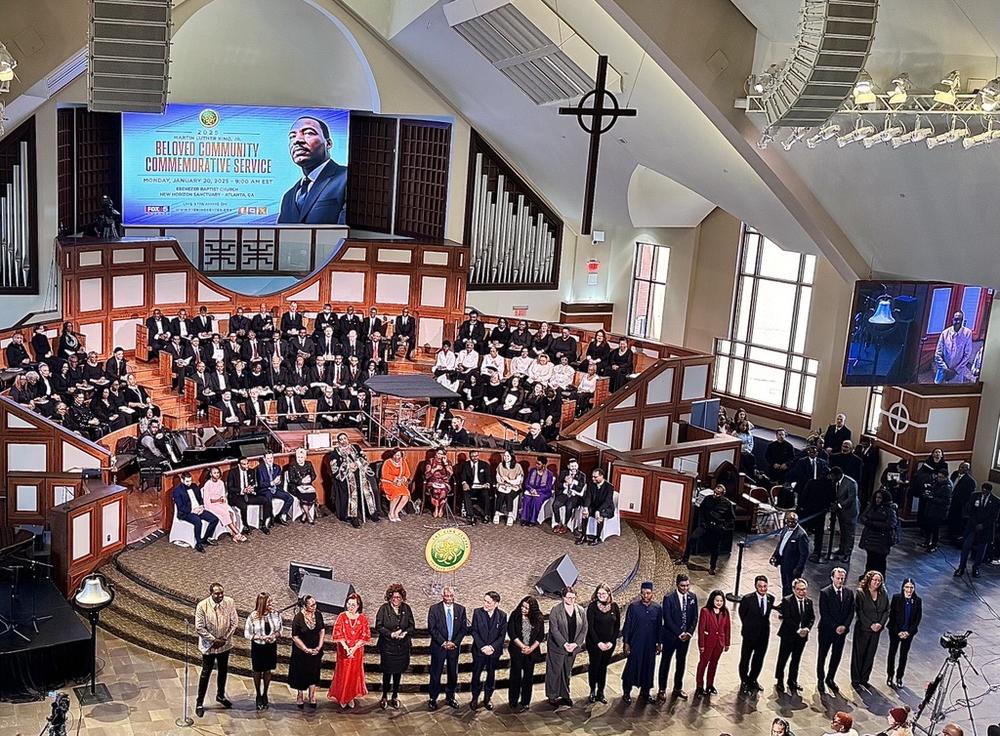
873,414
649,290
763,358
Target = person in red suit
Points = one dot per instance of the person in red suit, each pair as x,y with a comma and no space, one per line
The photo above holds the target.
713,640
351,632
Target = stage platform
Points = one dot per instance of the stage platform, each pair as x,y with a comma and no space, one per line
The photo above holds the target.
160,583
57,654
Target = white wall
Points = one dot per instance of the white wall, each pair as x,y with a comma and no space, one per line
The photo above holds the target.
989,408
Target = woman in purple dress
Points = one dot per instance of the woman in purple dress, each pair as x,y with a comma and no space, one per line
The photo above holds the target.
537,488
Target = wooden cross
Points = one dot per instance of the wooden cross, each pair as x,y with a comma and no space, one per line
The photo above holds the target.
602,119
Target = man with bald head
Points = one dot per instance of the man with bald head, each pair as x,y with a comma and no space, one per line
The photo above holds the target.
319,197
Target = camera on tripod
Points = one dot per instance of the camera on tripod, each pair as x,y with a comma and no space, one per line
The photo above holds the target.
56,721
955,643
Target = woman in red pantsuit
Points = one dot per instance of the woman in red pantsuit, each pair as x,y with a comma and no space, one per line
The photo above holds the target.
350,633
713,640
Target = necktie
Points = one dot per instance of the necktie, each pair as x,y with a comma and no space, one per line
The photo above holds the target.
802,610
303,190
684,614
840,595
814,469
451,623
763,607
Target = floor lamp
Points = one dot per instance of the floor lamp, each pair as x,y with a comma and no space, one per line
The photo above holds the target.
94,595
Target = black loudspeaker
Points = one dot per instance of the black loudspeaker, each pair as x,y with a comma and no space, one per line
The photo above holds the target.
330,595
560,573
299,570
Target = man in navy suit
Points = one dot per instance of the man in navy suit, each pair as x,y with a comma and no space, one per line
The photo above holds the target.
836,612
447,625
678,622
489,628
755,617
270,487
191,508
791,553
319,197
797,619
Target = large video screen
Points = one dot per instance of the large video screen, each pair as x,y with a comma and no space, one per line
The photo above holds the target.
916,332
231,165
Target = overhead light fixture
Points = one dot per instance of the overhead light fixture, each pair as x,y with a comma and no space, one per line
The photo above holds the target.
989,95
987,136
900,90
864,89
7,64
766,80
765,138
797,135
861,131
914,136
953,135
823,134
883,136
946,92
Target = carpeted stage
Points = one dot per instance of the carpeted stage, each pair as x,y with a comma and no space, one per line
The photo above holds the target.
506,559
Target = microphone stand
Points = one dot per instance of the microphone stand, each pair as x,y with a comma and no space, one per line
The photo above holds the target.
185,720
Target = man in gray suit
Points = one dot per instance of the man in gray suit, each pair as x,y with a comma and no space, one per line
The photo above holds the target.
567,637
845,508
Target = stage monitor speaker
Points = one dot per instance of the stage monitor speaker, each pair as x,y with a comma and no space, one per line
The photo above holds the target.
299,570
330,595
558,575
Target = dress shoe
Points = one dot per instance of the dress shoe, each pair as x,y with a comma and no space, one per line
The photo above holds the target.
355,523
795,687
581,540
224,702
627,699
267,702
211,542
199,710
661,696
265,530
700,692
779,686
712,571
488,704
680,694
757,686
975,572
394,703
568,702
830,683
474,705
899,682
712,691
383,704
432,705
958,573
592,699
260,703
601,698
200,548
594,542
452,703
889,682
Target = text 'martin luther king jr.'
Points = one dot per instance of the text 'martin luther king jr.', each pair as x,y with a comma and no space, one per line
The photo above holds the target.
319,197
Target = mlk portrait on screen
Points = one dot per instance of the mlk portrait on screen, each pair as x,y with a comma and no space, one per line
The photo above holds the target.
319,196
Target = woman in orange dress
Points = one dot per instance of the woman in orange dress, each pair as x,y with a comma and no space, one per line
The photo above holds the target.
350,633
396,477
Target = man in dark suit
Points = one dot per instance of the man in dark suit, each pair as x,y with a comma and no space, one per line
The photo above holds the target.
349,321
836,433
241,491
181,325
115,367
291,321
290,408
980,513
202,324
269,485
17,355
679,618
472,329
836,612
792,552
755,615
232,415
239,324
846,460
570,488
191,508
797,619
475,478
352,346
489,629
447,624
371,323
319,197
845,509
964,486
157,332
599,505
404,327
778,457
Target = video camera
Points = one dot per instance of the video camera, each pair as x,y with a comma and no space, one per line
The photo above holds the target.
955,643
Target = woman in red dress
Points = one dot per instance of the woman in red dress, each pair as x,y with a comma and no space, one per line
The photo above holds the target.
350,633
437,476
713,640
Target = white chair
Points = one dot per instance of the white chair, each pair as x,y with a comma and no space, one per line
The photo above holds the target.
253,511
612,526
182,532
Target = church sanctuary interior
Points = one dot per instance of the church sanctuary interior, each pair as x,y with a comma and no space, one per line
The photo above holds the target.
481,366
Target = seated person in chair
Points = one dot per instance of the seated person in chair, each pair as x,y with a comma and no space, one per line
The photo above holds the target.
599,505
475,478
190,507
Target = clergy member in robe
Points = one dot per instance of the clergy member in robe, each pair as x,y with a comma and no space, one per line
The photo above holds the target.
641,644
537,489
356,500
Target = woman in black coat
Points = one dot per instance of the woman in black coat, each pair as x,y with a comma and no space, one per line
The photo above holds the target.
526,630
604,625
905,611
395,626
598,352
621,364
878,533
500,336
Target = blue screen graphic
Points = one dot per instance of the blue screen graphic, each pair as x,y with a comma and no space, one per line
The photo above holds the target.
231,165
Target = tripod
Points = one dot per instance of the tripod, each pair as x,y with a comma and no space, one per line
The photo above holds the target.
938,689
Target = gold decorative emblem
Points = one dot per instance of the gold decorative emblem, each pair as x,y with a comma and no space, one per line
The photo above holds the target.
448,549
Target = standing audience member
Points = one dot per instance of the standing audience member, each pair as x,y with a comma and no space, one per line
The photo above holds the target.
351,632
526,630
797,619
714,638
778,457
641,644
934,503
836,612
980,519
836,433
716,516
489,629
679,618
262,629
870,460
964,486
872,609
880,523
905,612
791,553
604,623
395,625
567,636
215,620
845,510
306,661
447,625
755,617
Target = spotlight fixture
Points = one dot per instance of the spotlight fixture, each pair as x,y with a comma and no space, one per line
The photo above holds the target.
987,136
946,92
989,95
953,135
883,136
7,64
823,134
914,136
864,89
860,132
900,90
797,135
766,80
